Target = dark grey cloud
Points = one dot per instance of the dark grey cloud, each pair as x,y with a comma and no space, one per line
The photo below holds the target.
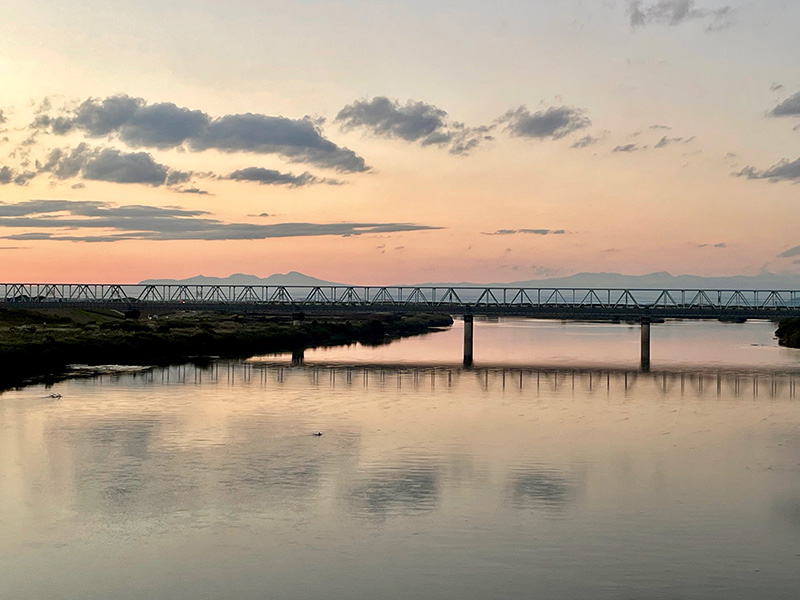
660,127
110,164
627,148
788,108
526,231
273,177
193,190
783,171
776,87
141,222
790,252
3,118
166,125
413,121
6,175
555,122
9,175
677,12
118,167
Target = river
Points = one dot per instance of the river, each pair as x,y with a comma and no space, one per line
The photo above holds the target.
552,469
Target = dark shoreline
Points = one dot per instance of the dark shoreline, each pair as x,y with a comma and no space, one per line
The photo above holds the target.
38,345
788,333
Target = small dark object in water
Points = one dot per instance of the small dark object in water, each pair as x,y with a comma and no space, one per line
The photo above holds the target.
318,434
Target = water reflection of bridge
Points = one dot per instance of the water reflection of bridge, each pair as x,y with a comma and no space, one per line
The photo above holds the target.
550,380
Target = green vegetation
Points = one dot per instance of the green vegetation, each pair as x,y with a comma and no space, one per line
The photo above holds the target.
41,343
788,333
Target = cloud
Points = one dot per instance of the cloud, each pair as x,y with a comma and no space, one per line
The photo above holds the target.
273,177
788,108
677,12
6,175
166,125
9,175
194,190
111,165
585,141
555,122
526,231
626,148
413,121
666,141
659,127
776,87
140,222
790,252
3,118
783,171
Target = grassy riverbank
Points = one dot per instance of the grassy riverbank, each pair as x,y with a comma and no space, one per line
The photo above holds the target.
41,343
788,333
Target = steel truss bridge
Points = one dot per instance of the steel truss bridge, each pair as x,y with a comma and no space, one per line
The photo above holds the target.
554,303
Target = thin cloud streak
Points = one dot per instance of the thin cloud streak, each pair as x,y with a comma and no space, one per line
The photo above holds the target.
139,222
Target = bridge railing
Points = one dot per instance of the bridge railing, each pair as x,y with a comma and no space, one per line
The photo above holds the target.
399,297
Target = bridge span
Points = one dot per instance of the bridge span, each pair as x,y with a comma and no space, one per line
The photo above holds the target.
641,305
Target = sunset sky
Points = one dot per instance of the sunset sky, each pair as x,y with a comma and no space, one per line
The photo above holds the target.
379,142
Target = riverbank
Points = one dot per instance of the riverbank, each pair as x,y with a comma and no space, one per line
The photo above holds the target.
788,333
42,343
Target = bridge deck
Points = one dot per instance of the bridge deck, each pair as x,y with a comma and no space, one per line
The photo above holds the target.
555,303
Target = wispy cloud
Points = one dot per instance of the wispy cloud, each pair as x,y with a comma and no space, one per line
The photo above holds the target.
273,177
526,231
677,12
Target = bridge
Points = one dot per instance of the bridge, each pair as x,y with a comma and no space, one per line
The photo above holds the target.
640,305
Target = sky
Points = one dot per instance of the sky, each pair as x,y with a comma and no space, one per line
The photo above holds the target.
380,142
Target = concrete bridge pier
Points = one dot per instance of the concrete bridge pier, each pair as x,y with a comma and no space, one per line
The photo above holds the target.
298,357
468,337
645,344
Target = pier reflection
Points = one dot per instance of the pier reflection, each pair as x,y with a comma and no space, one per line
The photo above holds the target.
706,382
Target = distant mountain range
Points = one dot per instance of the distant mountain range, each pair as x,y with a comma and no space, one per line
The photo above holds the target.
762,281
290,278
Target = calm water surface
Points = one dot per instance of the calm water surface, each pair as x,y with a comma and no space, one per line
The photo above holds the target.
553,470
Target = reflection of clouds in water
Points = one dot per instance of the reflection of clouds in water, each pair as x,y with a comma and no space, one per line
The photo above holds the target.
125,467
110,461
546,490
788,511
405,490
